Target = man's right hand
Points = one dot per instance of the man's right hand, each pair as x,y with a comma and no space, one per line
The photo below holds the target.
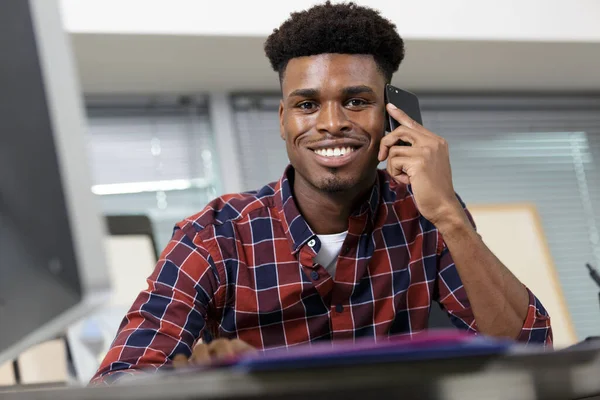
218,349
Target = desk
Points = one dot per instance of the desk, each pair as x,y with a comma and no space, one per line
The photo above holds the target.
571,374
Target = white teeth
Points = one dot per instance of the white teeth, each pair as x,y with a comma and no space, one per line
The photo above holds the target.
334,152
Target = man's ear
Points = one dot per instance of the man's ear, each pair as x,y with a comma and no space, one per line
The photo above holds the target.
281,129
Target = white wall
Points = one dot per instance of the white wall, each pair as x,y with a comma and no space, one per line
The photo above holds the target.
175,46
521,20
188,64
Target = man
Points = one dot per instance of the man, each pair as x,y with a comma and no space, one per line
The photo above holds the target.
336,249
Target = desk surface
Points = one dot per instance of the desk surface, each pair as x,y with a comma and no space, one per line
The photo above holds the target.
571,374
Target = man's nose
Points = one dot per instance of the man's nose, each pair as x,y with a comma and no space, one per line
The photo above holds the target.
332,119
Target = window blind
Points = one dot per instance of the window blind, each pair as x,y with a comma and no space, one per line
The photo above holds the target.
543,150
546,157
261,149
152,156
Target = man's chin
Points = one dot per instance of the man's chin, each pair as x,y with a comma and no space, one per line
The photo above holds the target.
339,180
336,187
336,184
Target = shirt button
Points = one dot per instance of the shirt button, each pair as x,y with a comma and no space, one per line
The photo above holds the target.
339,308
312,242
314,275
347,250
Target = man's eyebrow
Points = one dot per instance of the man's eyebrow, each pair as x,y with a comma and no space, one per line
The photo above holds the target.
354,90
347,91
304,93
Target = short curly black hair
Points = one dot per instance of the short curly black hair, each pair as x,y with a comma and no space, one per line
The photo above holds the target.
344,28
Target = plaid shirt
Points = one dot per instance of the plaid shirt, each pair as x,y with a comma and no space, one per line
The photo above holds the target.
243,268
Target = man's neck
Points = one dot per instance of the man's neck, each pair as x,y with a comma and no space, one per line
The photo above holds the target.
326,212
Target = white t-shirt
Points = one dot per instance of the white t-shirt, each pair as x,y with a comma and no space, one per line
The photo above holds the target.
331,245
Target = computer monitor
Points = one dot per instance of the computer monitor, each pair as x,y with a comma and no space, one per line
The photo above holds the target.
52,260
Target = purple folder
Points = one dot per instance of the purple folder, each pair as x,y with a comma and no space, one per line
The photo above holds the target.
422,346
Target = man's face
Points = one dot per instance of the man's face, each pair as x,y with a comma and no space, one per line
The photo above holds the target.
332,119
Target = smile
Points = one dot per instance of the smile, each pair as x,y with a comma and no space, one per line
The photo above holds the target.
335,157
334,151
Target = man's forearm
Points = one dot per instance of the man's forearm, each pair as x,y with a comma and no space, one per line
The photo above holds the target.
498,299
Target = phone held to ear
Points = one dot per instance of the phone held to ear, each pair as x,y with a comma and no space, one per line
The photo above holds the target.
404,100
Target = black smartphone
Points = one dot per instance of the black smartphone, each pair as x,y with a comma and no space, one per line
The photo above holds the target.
404,100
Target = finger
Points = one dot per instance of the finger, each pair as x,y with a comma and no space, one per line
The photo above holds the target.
404,151
391,139
403,178
241,347
220,348
398,165
200,355
408,122
397,168
404,119
180,360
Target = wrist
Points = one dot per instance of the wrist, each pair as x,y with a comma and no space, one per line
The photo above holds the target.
453,221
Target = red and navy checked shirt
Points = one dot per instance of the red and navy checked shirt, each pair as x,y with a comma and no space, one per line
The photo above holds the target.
243,268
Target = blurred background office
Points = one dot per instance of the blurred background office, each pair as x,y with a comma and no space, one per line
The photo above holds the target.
182,106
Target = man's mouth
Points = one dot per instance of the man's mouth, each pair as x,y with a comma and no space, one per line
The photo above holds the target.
334,151
335,156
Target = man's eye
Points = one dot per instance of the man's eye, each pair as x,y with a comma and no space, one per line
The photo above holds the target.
307,105
357,103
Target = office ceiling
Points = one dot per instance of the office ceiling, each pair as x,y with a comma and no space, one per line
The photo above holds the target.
169,63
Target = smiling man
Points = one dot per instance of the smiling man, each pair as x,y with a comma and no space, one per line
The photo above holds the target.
336,249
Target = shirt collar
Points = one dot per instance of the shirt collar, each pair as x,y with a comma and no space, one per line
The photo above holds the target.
371,204
296,228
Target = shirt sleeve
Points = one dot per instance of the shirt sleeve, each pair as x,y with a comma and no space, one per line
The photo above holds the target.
452,297
169,316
